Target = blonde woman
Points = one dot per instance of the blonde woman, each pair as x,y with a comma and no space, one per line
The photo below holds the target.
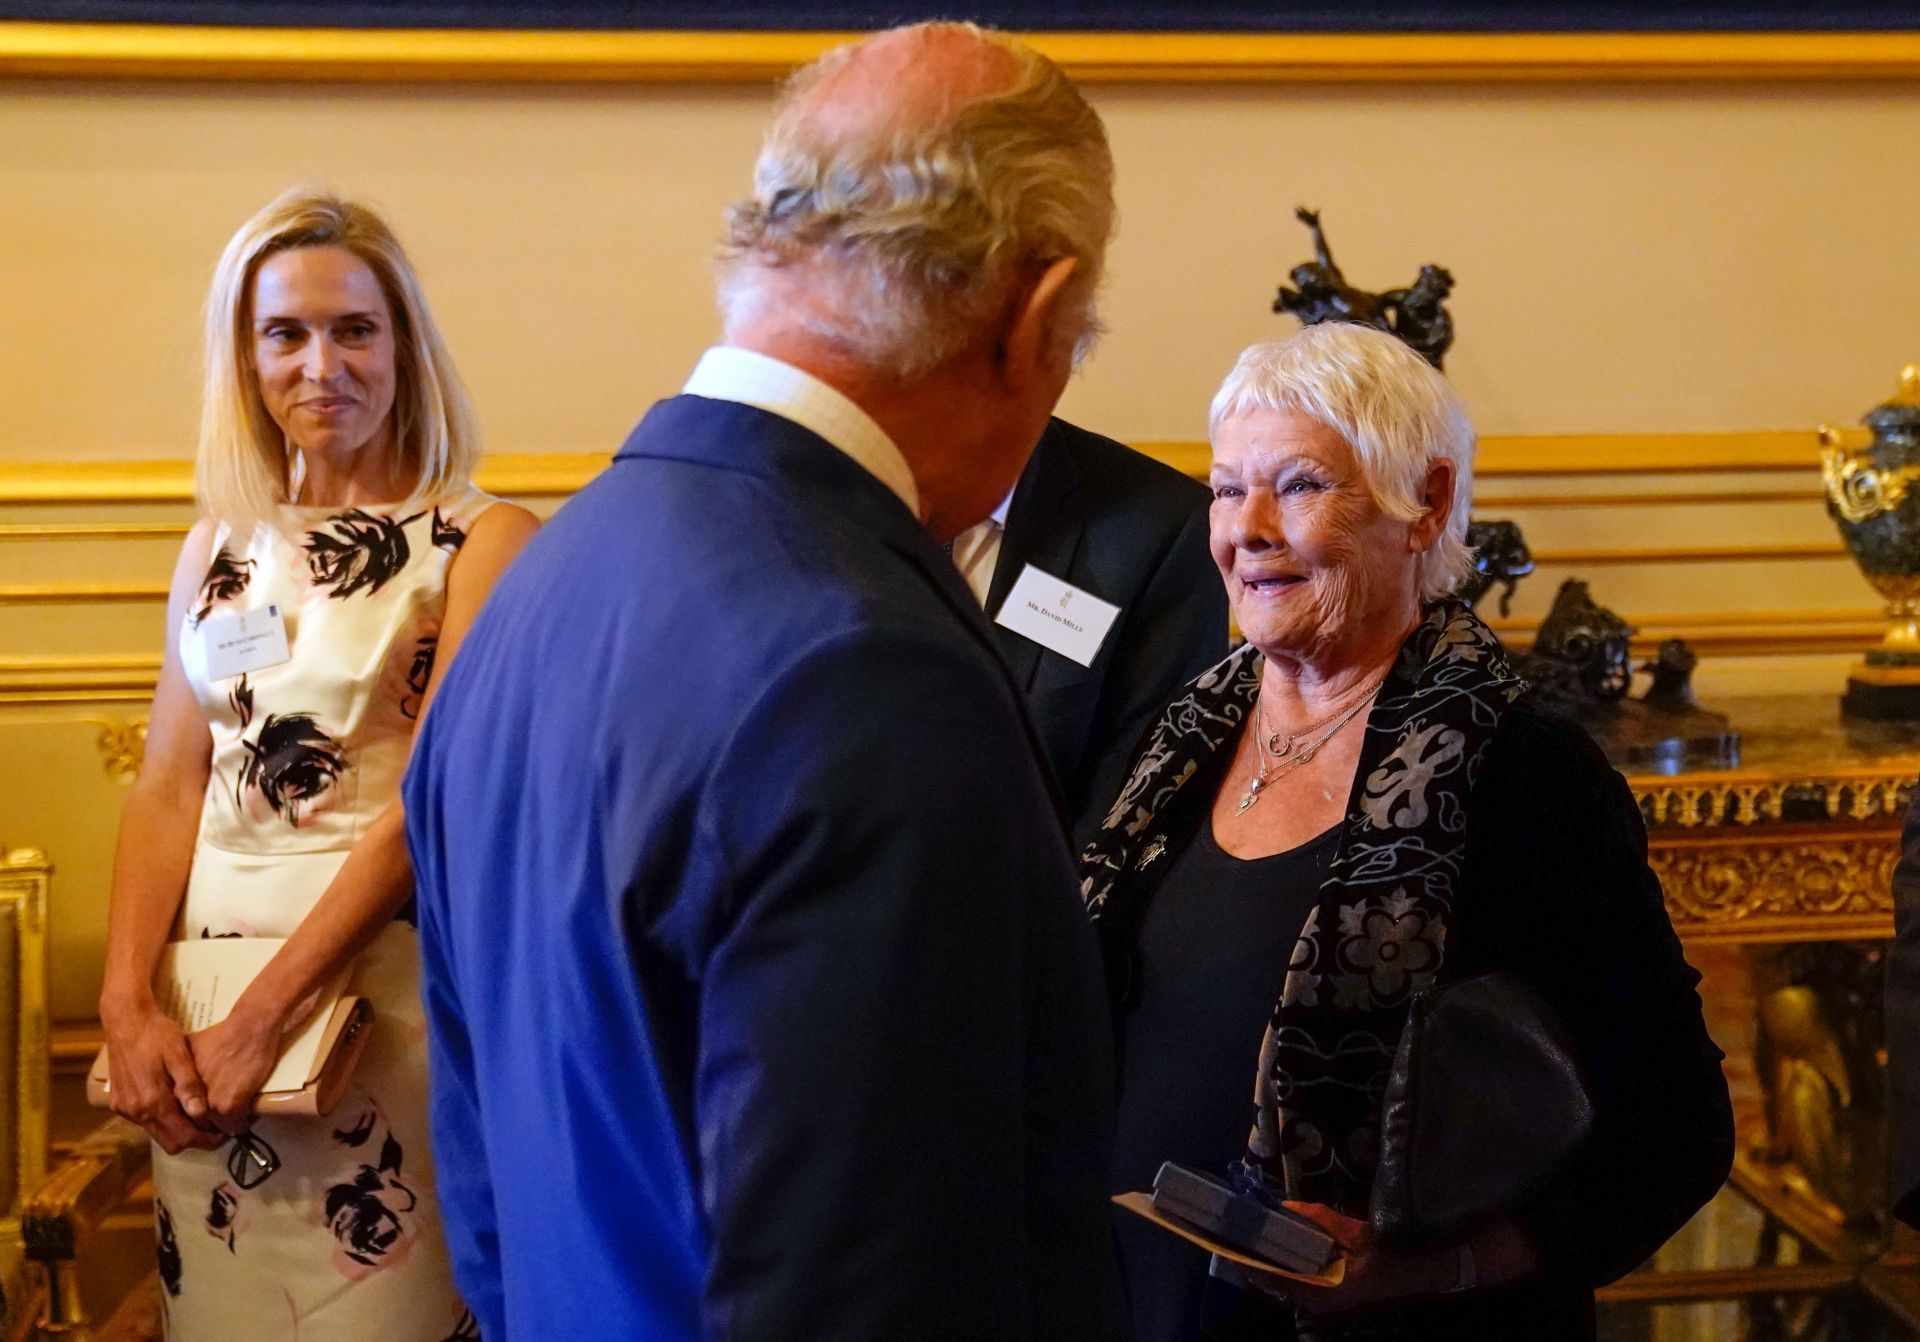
335,456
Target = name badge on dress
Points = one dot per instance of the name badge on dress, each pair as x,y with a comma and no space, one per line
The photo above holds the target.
237,641
1057,615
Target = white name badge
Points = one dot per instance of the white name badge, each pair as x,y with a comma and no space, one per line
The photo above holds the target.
237,641
1057,615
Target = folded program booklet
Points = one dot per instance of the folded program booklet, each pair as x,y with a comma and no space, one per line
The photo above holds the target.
1210,1212
197,985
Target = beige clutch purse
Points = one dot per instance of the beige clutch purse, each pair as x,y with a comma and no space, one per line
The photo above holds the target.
342,1041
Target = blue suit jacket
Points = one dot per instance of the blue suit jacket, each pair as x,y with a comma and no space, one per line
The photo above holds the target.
761,1001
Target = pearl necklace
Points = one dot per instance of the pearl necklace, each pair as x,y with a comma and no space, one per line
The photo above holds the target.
1282,754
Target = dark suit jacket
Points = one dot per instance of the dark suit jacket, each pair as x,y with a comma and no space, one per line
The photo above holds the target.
1133,532
761,1002
1903,1024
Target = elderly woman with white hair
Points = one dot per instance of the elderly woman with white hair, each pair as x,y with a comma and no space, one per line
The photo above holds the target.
1358,805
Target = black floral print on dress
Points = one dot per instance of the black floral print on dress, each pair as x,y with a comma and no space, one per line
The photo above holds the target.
419,674
166,1249
355,551
371,1215
227,577
467,1330
223,1216
240,699
447,533
360,1131
292,765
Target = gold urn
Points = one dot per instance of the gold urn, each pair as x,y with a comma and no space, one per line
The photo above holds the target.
1873,496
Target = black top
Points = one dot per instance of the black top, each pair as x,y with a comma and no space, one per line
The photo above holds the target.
1214,948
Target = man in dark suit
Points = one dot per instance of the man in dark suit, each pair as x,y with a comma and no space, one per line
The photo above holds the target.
761,1001
1903,1025
1115,523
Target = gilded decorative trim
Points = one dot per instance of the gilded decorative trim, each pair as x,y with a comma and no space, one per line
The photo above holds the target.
136,51
1735,798
80,593
122,744
1646,499
1857,488
1688,554
78,680
1800,883
94,531
518,475
25,878
542,475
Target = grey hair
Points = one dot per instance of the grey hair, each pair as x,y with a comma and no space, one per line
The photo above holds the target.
1393,408
922,226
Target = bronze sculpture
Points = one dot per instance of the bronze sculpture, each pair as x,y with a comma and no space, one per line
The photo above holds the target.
1417,313
1500,559
1580,664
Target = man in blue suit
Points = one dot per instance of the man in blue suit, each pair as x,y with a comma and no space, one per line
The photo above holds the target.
761,999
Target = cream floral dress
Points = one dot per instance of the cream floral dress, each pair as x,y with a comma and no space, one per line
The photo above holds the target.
342,1240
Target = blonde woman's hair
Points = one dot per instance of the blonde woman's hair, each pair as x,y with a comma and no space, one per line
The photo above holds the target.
1394,409
922,224
243,471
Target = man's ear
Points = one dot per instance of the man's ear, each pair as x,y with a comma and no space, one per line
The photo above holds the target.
1436,495
1028,341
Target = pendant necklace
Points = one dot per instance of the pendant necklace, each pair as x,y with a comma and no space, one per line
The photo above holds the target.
1281,753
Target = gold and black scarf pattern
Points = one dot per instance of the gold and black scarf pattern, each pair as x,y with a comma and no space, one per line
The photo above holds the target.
1378,934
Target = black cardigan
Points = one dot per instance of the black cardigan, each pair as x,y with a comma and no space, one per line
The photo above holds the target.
1556,890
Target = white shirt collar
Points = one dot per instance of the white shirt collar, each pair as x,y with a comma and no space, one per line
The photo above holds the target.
999,515
725,373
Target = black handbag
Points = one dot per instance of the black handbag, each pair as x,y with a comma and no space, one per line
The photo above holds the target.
1484,1105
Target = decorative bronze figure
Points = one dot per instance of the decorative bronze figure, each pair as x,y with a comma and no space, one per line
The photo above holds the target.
1872,498
1417,313
1580,664
1500,559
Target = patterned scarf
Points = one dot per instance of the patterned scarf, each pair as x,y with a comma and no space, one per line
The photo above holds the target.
1378,934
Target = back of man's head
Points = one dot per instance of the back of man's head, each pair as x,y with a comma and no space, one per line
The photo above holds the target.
907,181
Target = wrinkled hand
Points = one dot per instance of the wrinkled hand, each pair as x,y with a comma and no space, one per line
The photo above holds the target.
153,1081
235,1058
1378,1276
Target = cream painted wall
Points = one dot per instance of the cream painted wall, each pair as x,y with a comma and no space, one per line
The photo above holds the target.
1644,260
1650,259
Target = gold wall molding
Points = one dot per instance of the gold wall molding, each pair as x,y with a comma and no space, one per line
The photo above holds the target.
522,475
1737,634
78,680
1783,883
80,593
538,475
130,679
1786,552
137,51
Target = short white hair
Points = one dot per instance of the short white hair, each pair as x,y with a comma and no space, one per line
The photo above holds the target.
922,226
1391,406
